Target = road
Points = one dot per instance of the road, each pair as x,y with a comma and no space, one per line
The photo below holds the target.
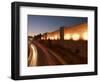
32,57
42,55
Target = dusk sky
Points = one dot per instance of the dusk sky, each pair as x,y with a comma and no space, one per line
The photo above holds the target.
41,24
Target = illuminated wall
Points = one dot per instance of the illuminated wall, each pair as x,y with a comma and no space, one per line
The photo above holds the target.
51,35
75,32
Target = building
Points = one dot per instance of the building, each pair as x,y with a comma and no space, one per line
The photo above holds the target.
74,32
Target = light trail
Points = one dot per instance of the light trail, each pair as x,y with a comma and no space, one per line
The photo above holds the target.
57,57
33,56
46,53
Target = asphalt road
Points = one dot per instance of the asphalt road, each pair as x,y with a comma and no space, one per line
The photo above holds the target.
42,55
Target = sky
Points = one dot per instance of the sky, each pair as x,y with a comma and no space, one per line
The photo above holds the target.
40,24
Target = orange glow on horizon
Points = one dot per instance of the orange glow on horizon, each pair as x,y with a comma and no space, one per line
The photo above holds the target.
31,34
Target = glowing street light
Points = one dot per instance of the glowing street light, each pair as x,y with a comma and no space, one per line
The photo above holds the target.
75,36
52,38
85,36
41,38
55,37
67,36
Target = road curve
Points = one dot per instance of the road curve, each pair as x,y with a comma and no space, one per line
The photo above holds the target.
32,59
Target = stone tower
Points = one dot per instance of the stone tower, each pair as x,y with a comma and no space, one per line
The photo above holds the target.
61,33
